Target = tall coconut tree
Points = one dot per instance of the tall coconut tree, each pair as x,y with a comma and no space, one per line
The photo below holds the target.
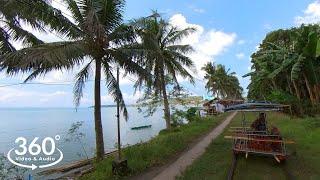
98,40
164,56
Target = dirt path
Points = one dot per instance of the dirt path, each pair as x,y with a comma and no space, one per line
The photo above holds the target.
186,159
177,165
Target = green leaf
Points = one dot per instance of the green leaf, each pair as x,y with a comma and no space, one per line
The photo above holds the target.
297,68
318,48
310,49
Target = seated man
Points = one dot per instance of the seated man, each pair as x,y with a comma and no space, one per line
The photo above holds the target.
260,123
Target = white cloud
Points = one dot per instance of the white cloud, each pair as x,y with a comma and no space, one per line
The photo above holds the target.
206,43
128,98
197,10
10,95
240,55
56,76
241,41
311,15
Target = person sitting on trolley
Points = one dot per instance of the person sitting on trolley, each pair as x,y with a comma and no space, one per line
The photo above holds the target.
260,123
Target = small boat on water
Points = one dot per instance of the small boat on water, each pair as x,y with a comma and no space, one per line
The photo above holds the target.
141,127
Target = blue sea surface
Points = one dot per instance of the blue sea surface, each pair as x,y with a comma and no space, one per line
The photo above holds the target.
49,122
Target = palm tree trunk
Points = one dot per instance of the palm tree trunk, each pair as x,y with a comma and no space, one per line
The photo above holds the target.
309,88
289,85
274,84
165,103
97,112
316,93
296,89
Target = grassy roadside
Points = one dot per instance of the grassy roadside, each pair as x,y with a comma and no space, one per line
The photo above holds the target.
159,150
303,163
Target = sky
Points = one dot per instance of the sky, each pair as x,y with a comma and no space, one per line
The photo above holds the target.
228,32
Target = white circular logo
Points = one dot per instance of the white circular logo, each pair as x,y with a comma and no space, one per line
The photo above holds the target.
40,153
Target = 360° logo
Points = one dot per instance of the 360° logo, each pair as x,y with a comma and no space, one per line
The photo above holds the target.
34,150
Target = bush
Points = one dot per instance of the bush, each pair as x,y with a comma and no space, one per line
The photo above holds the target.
191,113
178,117
282,97
298,107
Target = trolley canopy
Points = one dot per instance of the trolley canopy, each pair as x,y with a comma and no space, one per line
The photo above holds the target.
256,107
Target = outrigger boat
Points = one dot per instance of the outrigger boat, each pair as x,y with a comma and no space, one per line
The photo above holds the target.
141,127
257,138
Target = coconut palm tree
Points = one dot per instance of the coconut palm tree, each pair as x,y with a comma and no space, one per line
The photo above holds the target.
221,83
164,57
98,40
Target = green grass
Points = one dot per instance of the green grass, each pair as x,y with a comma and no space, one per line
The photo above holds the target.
159,150
303,163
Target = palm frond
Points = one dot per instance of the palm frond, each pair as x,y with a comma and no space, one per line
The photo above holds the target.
124,59
37,14
81,79
75,10
17,33
122,35
109,13
114,89
44,57
5,44
178,35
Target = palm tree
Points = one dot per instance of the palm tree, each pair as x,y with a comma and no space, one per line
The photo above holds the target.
164,57
222,83
211,85
98,35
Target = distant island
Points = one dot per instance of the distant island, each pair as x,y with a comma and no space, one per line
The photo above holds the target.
114,105
195,100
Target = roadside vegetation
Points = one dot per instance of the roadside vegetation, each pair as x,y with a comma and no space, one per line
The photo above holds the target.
158,151
303,161
286,69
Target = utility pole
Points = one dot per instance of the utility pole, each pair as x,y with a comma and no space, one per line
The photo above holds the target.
118,116
119,165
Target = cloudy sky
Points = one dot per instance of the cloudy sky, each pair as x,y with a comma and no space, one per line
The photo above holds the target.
228,32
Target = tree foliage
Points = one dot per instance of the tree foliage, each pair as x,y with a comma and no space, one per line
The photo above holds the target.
287,64
164,57
221,83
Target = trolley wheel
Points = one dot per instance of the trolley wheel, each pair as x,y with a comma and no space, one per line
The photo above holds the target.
280,158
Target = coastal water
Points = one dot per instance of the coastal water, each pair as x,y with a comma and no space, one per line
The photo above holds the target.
49,122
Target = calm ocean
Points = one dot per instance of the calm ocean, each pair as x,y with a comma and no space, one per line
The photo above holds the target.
49,122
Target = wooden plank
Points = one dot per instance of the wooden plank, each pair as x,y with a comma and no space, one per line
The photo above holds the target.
71,166
240,127
262,140
240,130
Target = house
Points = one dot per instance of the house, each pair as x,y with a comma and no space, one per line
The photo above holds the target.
215,106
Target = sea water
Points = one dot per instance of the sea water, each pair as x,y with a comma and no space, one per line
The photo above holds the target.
50,122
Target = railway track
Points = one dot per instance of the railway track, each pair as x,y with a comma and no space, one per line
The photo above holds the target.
233,166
